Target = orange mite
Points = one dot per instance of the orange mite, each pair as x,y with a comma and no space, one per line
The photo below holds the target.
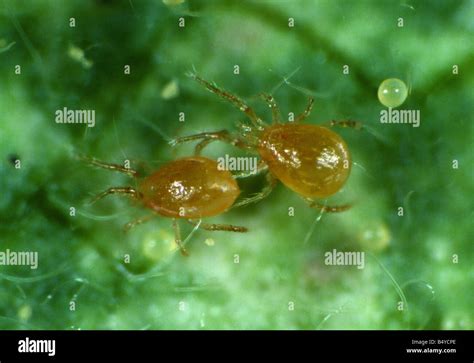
311,160
189,188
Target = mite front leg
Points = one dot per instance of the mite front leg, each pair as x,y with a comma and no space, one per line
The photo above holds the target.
327,208
261,167
345,123
138,221
208,137
276,115
271,182
233,99
108,166
117,190
219,227
177,238
306,112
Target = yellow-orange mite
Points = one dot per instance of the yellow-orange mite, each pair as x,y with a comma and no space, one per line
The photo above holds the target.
189,188
311,160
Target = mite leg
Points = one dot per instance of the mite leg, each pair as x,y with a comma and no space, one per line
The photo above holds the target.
276,115
267,189
327,208
306,112
233,99
345,123
208,137
109,166
219,227
177,238
117,190
261,167
138,221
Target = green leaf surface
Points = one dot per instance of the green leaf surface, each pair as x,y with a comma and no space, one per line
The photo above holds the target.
418,271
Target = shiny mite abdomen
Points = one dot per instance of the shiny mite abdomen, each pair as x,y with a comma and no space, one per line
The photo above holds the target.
311,160
191,187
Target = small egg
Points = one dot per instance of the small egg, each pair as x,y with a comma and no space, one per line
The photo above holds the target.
392,92
24,312
170,90
157,246
375,237
78,55
209,242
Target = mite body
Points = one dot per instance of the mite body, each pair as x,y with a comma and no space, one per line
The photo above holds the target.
189,188
311,160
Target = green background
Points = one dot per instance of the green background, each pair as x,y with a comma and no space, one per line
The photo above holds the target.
281,259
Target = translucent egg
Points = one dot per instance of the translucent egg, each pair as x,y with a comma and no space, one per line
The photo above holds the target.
392,92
